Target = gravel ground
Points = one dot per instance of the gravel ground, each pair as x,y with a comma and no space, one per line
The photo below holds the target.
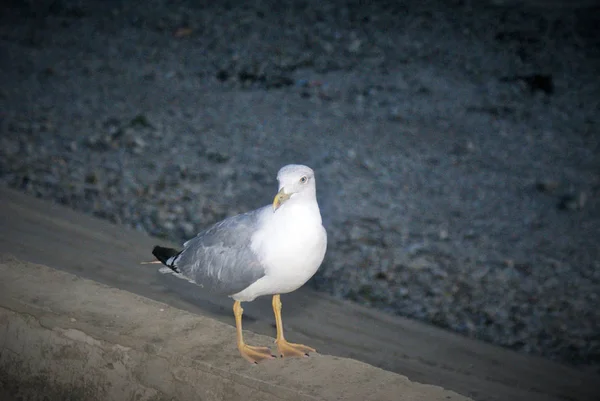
455,143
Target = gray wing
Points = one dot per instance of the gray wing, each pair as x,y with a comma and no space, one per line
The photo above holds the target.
220,258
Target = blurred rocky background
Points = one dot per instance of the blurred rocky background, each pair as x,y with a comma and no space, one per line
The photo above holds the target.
455,142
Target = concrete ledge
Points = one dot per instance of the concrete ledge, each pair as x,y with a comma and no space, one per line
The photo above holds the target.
52,235
68,338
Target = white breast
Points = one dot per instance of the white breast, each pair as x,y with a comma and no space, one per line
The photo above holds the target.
291,249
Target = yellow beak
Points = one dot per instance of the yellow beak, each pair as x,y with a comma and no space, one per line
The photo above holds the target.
279,199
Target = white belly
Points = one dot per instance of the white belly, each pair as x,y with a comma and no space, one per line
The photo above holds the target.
291,253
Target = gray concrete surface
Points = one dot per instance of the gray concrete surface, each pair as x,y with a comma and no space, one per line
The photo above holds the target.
42,232
69,338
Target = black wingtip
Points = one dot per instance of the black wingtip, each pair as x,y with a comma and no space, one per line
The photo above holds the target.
164,254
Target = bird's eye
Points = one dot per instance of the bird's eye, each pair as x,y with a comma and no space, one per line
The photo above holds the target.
303,180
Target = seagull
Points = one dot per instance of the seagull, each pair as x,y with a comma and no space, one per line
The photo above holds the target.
273,250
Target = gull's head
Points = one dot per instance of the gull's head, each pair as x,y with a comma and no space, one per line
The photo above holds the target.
295,180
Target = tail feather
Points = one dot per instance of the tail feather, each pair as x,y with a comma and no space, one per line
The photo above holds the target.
166,256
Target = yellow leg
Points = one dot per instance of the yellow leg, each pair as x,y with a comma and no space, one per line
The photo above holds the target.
285,348
251,354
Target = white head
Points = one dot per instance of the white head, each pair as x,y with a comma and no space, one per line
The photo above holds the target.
295,181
